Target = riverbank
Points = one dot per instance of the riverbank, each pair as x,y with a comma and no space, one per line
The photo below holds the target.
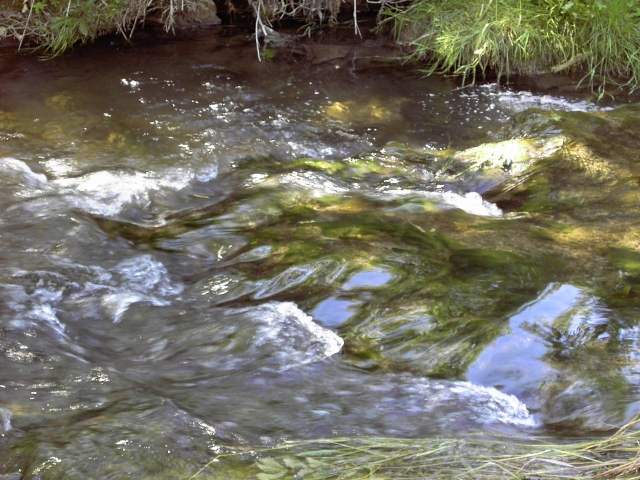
594,44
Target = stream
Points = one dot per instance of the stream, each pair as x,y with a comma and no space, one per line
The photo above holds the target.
199,251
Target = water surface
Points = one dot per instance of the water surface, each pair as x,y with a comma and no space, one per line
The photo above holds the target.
199,252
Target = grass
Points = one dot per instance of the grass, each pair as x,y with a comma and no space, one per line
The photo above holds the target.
57,25
599,40
616,456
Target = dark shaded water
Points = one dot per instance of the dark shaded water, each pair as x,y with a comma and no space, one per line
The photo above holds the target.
199,251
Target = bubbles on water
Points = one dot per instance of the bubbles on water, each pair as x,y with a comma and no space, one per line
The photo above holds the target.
133,85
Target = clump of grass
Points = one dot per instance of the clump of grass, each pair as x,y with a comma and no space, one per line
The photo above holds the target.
359,458
57,25
597,39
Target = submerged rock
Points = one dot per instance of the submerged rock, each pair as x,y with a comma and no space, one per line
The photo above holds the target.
372,112
564,192
554,357
510,156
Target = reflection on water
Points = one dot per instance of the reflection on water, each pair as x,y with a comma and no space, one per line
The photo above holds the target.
537,354
376,277
333,312
202,252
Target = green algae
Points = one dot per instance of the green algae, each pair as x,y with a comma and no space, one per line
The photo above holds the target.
457,278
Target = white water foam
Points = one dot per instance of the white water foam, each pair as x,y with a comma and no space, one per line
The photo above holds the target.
117,303
40,305
404,402
470,202
317,184
17,170
145,274
104,192
135,280
144,279
44,301
521,100
299,339
495,406
5,420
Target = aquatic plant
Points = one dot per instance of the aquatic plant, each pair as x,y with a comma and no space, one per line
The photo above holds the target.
477,457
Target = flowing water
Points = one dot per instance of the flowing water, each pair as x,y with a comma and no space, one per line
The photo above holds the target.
201,252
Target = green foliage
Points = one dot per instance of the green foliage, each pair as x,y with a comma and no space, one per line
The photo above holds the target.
57,25
598,39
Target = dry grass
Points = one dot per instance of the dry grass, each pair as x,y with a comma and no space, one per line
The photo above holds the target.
359,458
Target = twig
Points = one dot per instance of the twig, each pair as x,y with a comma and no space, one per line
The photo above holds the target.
259,27
355,19
24,32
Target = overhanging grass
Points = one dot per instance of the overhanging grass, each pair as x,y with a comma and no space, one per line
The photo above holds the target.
359,458
597,39
57,25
